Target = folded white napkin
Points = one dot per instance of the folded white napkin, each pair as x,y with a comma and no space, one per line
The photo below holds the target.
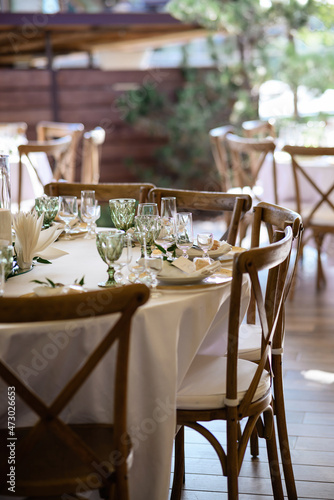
30,239
170,271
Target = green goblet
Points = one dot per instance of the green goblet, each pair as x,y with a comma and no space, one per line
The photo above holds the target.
122,211
49,206
146,227
110,246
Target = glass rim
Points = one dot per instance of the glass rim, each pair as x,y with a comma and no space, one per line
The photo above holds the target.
122,199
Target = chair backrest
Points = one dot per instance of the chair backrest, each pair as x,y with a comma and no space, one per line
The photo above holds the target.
57,149
247,158
258,128
275,218
269,299
103,191
91,155
237,205
220,154
319,209
125,301
53,130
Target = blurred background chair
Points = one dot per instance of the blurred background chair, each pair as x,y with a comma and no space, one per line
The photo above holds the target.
53,455
38,166
91,155
317,211
47,131
258,129
234,204
219,151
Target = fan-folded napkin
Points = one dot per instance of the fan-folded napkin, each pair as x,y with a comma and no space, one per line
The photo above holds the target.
30,239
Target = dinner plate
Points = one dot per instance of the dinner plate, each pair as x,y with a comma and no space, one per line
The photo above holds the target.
229,256
193,252
187,284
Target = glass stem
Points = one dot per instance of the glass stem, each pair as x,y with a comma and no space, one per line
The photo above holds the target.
111,275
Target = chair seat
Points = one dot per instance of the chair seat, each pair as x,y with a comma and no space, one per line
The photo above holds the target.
204,386
68,472
250,342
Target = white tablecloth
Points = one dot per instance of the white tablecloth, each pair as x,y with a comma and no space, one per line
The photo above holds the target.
167,333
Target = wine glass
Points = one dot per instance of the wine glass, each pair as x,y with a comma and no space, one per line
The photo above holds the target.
184,232
123,260
122,211
90,212
147,226
49,206
168,207
205,242
137,266
110,245
68,211
165,235
153,266
147,209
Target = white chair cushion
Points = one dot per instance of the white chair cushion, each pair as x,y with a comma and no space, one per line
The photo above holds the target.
250,342
204,386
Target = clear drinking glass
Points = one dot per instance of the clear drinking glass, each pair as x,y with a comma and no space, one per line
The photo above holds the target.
146,225
165,236
90,212
49,206
6,261
109,244
153,266
184,232
123,260
147,209
68,211
168,207
122,211
205,242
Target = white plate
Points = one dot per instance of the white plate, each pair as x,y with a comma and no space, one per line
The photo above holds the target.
229,256
186,280
214,254
220,277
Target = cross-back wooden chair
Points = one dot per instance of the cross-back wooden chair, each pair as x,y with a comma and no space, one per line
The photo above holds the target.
56,149
218,147
232,389
318,215
47,131
103,191
51,456
91,155
235,205
250,337
258,128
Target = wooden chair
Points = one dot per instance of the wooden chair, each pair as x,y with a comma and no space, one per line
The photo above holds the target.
219,151
250,335
56,149
103,191
91,155
51,456
53,130
232,389
258,128
236,205
318,215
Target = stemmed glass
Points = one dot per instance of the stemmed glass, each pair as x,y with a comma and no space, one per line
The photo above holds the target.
137,266
147,226
165,235
49,206
168,207
110,245
90,212
205,242
122,211
147,209
184,232
123,260
68,211
153,266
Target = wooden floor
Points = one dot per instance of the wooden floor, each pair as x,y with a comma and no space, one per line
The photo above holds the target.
309,396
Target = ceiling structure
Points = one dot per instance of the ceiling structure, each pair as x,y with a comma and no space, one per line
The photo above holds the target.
26,36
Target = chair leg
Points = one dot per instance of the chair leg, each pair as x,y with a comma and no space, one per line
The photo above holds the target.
321,278
275,474
254,444
232,461
179,470
282,430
